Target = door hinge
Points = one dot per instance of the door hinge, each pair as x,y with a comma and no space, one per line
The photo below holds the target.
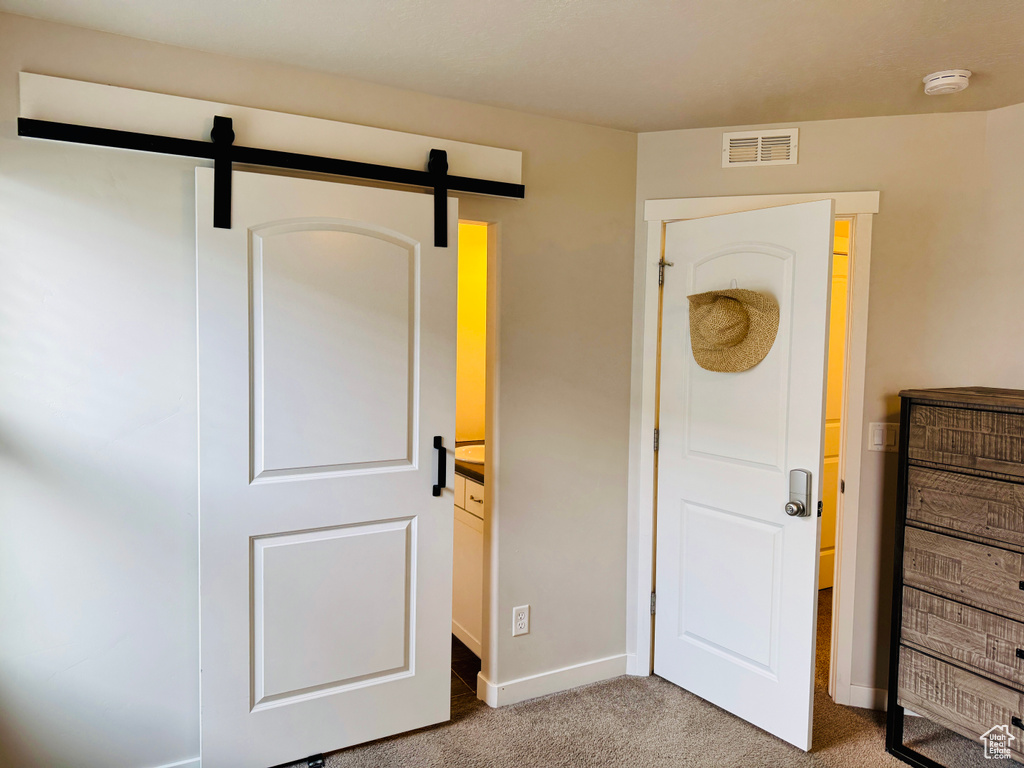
661,270
654,601
656,439
842,486
819,509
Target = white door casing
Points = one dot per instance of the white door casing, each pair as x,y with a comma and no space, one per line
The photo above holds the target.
736,576
326,336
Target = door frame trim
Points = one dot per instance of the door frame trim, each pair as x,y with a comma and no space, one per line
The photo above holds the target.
861,206
489,624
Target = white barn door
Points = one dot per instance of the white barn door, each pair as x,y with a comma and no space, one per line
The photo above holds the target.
736,575
326,368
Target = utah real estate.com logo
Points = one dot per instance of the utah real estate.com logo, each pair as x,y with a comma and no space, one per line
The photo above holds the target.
997,742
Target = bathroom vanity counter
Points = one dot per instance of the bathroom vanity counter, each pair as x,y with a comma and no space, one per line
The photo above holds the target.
472,471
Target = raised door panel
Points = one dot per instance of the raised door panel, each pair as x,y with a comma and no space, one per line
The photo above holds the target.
730,605
724,423
353,584
333,355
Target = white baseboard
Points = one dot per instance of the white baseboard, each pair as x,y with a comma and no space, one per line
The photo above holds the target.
466,637
868,698
549,682
631,665
638,667
190,763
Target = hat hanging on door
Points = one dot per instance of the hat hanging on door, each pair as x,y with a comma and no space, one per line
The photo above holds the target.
732,330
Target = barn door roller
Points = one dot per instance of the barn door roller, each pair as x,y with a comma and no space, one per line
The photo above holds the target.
222,150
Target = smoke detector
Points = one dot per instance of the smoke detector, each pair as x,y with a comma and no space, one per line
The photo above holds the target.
946,81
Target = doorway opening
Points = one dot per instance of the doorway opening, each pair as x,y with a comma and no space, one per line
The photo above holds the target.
471,465
832,478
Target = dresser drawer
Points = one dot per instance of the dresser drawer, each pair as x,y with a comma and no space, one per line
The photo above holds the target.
978,506
984,576
959,700
978,639
475,499
985,440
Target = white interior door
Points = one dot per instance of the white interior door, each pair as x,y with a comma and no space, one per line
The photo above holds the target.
326,367
737,576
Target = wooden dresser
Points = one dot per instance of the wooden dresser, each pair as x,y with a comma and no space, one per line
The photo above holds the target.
957,652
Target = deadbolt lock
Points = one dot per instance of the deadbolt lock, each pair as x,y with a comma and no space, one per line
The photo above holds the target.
799,504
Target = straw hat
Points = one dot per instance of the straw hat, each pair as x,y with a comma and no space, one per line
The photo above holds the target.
733,330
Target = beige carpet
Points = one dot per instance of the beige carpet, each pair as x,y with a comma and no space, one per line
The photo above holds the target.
645,722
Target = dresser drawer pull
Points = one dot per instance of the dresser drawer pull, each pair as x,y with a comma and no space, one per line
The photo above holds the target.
1020,585
1017,722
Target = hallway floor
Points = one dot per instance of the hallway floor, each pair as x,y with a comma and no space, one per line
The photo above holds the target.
644,722
465,667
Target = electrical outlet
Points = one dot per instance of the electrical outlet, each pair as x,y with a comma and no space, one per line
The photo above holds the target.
520,620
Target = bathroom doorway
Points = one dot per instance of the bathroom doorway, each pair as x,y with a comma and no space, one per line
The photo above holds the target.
472,462
832,483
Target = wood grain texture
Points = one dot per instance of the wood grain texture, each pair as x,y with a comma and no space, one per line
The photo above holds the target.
959,700
988,440
988,397
978,506
983,641
980,575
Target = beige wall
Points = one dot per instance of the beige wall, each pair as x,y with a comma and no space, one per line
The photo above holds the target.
98,643
946,275
471,370
1006,210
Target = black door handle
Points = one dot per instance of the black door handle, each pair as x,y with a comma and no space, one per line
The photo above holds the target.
442,457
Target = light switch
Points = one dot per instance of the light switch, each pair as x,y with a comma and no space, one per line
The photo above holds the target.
883,436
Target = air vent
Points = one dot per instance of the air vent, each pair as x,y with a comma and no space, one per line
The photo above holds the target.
750,148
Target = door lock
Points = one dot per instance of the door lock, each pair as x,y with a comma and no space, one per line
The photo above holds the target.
799,504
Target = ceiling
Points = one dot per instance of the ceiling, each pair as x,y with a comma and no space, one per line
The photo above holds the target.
640,65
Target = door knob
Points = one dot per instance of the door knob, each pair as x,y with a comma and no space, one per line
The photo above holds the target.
799,493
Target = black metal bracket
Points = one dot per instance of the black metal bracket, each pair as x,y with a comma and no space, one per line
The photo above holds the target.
437,167
223,137
222,150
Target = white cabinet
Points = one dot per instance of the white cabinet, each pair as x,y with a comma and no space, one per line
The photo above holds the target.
468,572
474,499
460,492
